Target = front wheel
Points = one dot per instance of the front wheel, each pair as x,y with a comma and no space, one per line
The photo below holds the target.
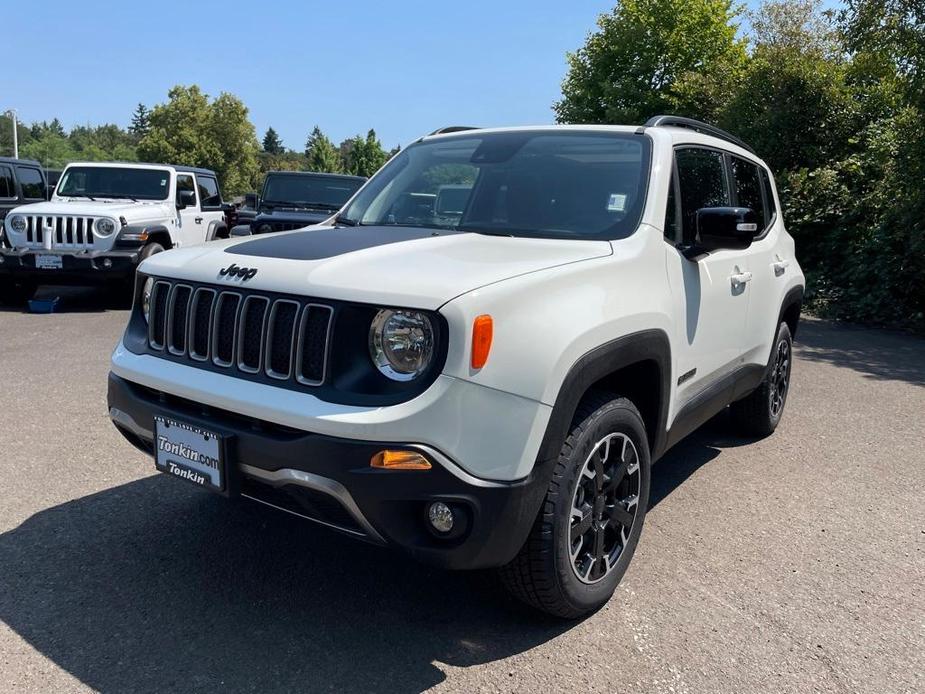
589,525
759,413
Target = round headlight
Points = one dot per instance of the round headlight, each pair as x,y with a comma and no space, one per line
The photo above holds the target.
146,298
104,226
401,343
264,229
18,223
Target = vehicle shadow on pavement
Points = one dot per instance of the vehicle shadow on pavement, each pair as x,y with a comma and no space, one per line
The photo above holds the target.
151,586
81,299
880,354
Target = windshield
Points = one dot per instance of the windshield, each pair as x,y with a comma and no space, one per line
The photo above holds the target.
549,184
114,182
327,192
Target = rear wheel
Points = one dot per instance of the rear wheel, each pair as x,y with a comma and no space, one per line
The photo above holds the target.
759,413
589,525
16,293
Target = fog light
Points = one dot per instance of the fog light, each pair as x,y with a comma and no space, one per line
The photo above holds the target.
107,263
441,517
399,460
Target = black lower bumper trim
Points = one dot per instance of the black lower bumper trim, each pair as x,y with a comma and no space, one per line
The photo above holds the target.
496,516
88,267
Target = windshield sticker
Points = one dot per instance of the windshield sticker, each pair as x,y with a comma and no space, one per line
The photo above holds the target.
163,183
617,203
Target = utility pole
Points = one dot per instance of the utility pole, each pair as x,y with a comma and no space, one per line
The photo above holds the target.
12,114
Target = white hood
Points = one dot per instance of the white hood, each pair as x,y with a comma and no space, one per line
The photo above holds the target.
394,266
131,211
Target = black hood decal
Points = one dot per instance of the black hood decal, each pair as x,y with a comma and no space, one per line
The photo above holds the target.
327,243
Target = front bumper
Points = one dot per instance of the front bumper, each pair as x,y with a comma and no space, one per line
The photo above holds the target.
328,479
78,267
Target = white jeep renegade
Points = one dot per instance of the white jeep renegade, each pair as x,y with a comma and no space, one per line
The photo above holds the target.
103,219
478,359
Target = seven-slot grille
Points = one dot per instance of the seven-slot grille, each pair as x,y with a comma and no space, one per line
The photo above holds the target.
65,232
285,339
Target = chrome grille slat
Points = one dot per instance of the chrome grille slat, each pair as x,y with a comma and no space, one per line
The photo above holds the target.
177,318
252,327
248,333
200,323
280,347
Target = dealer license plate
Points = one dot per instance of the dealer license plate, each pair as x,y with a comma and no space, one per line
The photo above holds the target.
190,453
48,262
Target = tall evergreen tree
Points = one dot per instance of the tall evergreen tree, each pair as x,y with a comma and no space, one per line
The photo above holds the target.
141,121
365,156
321,153
272,144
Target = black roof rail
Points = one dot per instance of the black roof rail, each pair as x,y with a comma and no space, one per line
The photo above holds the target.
696,126
453,129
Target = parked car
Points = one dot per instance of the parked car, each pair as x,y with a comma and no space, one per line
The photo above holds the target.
295,199
21,181
105,218
485,382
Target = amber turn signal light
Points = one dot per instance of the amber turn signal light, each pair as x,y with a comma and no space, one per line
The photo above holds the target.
399,460
482,329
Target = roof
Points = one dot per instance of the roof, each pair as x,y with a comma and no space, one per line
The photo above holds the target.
146,165
317,173
11,160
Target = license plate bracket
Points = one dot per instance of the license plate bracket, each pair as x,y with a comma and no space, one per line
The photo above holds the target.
191,453
48,261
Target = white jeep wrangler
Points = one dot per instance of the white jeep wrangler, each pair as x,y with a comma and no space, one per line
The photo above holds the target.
102,220
482,380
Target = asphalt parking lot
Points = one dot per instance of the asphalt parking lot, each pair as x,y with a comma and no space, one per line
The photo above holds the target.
791,564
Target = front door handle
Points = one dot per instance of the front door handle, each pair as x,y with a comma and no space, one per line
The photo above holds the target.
740,278
198,220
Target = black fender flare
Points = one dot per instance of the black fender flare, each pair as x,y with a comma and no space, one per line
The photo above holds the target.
216,228
792,298
137,235
635,348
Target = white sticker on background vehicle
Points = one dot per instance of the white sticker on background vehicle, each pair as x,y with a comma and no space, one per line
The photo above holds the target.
617,202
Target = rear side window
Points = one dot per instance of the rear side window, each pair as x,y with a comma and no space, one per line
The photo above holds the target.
702,180
749,189
768,195
208,192
32,183
7,187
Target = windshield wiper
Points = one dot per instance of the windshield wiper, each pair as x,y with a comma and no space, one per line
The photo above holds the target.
123,197
485,232
79,195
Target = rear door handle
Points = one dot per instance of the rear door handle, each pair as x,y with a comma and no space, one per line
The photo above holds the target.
198,220
740,278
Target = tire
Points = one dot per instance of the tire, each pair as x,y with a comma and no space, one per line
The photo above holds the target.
150,249
16,293
559,575
759,413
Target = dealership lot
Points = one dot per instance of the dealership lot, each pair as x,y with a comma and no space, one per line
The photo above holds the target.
796,563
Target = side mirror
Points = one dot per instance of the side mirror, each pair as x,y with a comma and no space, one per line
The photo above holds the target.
730,228
240,230
251,200
185,198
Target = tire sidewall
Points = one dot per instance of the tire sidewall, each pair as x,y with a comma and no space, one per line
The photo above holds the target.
615,417
783,334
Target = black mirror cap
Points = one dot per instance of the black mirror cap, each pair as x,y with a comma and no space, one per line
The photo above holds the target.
729,228
251,200
185,198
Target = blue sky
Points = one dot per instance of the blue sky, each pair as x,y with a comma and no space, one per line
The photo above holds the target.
403,67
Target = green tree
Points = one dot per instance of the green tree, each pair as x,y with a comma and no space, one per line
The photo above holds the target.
52,150
141,122
272,144
365,156
321,153
654,56
6,135
190,130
